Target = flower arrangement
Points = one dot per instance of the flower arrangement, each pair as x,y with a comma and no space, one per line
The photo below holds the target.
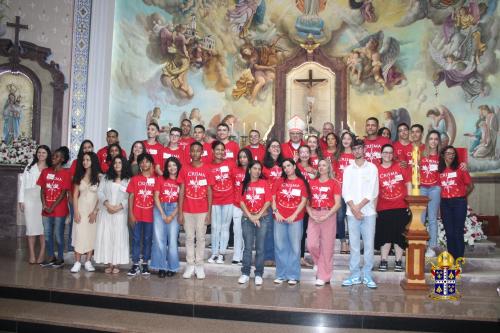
19,152
472,230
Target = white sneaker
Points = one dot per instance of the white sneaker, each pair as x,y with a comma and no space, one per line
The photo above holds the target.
278,281
188,273
76,267
200,272
89,267
258,281
292,282
430,253
212,259
315,268
319,283
220,259
243,279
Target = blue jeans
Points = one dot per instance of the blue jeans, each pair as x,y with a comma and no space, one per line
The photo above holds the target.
144,231
364,228
221,220
253,233
454,212
269,241
164,253
434,195
287,238
54,225
341,213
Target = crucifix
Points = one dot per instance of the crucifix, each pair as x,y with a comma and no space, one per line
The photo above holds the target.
309,83
17,26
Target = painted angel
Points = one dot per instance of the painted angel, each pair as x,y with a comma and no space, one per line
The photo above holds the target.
443,121
489,133
456,72
246,13
366,9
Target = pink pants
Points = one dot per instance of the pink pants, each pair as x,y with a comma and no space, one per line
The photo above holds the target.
321,242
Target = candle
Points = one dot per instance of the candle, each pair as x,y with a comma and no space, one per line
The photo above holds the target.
255,125
244,128
354,127
415,177
341,125
232,129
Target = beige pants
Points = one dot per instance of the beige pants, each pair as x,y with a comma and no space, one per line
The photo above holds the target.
194,226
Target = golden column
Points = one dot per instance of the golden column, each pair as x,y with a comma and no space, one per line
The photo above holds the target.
416,233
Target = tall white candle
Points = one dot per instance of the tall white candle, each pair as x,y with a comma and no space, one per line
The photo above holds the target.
255,125
341,125
244,128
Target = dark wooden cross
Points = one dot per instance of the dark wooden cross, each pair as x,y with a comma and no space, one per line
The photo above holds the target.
17,26
310,82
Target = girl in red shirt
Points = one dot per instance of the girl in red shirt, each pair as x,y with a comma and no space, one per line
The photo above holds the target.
332,145
238,174
322,210
290,194
316,153
165,255
222,210
140,209
392,209
114,150
456,184
55,182
255,199
136,150
429,186
343,159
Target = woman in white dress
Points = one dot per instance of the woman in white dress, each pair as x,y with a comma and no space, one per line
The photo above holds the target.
30,203
112,243
86,181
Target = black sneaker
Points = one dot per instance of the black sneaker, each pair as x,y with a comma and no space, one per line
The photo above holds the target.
235,262
398,267
134,270
162,273
170,273
145,269
48,263
383,266
58,263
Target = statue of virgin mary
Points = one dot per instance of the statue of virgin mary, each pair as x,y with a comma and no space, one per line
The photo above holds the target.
310,22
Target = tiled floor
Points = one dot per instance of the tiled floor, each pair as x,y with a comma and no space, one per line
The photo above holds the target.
479,302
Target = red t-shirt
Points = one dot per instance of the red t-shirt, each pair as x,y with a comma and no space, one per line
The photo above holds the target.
373,149
257,152
169,152
196,182
206,155
328,156
288,151
53,183
238,177
272,174
143,189
168,189
402,152
323,193
223,189
307,175
256,195
289,194
322,143
454,183
344,161
185,143
314,161
392,187
102,154
155,150
429,175
232,149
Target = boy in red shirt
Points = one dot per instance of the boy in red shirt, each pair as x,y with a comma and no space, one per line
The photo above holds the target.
232,148
199,136
55,182
373,142
111,137
195,208
140,210
186,140
258,150
174,149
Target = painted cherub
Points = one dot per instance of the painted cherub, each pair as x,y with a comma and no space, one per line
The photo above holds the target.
355,65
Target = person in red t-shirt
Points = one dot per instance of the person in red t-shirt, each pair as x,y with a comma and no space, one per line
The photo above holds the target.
255,197
403,147
186,140
290,149
332,141
222,209
165,255
322,210
113,151
416,133
231,147
327,129
290,195
174,149
316,153
456,185
199,136
385,132
54,182
154,148
195,209
429,186
238,174
136,150
140,210
102,154
392,209
345,158
256,148
373,142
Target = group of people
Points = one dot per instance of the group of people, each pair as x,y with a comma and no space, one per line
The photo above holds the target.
282,199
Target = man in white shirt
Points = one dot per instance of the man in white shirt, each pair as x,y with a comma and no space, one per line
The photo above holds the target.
360,192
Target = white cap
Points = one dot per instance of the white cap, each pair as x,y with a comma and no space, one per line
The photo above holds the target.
296,124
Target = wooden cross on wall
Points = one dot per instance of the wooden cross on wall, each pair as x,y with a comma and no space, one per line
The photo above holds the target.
17,26
310,82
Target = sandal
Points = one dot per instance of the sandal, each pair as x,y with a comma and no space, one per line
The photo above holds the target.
116,270
108,270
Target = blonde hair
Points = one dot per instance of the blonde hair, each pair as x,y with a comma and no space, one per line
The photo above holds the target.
330,170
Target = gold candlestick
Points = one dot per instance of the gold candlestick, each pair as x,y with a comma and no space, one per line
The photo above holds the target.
415,171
